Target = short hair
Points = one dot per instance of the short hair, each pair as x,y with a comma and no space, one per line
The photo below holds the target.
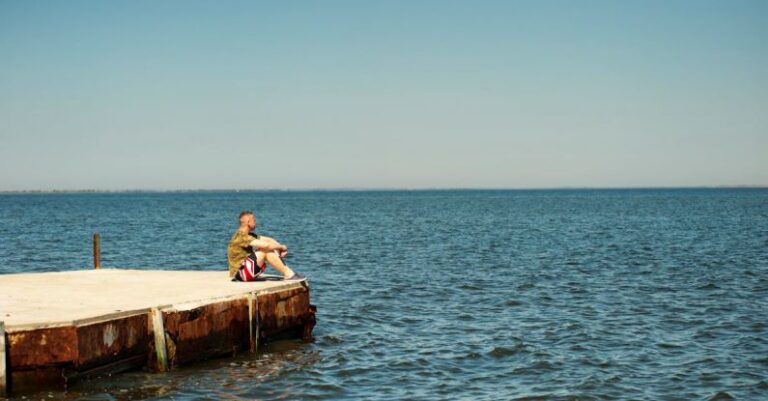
244,213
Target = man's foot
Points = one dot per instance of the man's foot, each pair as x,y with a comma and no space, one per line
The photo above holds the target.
296,277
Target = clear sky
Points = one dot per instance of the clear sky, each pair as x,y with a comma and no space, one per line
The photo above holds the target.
382,94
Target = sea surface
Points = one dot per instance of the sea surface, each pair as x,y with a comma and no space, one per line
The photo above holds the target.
462,295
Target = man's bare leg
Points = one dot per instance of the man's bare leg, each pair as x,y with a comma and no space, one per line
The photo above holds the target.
274,260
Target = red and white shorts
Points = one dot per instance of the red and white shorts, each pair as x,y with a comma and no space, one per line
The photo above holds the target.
249,270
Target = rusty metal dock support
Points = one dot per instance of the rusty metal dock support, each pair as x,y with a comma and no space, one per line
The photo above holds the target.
3,371
253,321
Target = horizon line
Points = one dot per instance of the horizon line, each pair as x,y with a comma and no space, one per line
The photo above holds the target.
376,189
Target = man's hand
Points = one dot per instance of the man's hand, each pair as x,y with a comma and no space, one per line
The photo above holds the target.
282,250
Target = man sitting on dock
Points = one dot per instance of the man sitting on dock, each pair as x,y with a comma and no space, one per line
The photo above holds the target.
248,253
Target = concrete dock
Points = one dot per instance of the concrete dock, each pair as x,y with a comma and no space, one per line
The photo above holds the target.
61,326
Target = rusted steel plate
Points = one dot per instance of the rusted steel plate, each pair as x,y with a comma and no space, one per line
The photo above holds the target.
42,347
38,358
207,331
283,311
106,342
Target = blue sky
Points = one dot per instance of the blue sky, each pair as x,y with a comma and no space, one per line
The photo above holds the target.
388,94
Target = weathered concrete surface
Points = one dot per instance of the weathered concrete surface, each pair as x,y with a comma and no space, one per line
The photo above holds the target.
32,300
61,326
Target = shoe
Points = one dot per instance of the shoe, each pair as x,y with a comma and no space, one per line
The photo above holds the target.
296,277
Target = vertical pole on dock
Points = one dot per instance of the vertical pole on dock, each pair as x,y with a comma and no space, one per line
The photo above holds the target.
253,321
159,332
3,369
250,322
258,319
96,251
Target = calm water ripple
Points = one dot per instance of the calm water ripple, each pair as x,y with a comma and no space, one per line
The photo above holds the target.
432,295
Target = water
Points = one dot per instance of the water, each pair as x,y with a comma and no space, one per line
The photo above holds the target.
432,295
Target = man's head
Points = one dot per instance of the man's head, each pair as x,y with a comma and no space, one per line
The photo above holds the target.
247,220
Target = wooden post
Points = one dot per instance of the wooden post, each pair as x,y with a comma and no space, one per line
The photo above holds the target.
3,369
96,251
160,347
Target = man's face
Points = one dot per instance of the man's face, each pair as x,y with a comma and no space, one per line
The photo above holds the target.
251,221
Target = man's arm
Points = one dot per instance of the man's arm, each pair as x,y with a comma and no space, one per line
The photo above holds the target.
264,237
267,244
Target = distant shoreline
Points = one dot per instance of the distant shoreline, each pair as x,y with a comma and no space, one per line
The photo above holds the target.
128,191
